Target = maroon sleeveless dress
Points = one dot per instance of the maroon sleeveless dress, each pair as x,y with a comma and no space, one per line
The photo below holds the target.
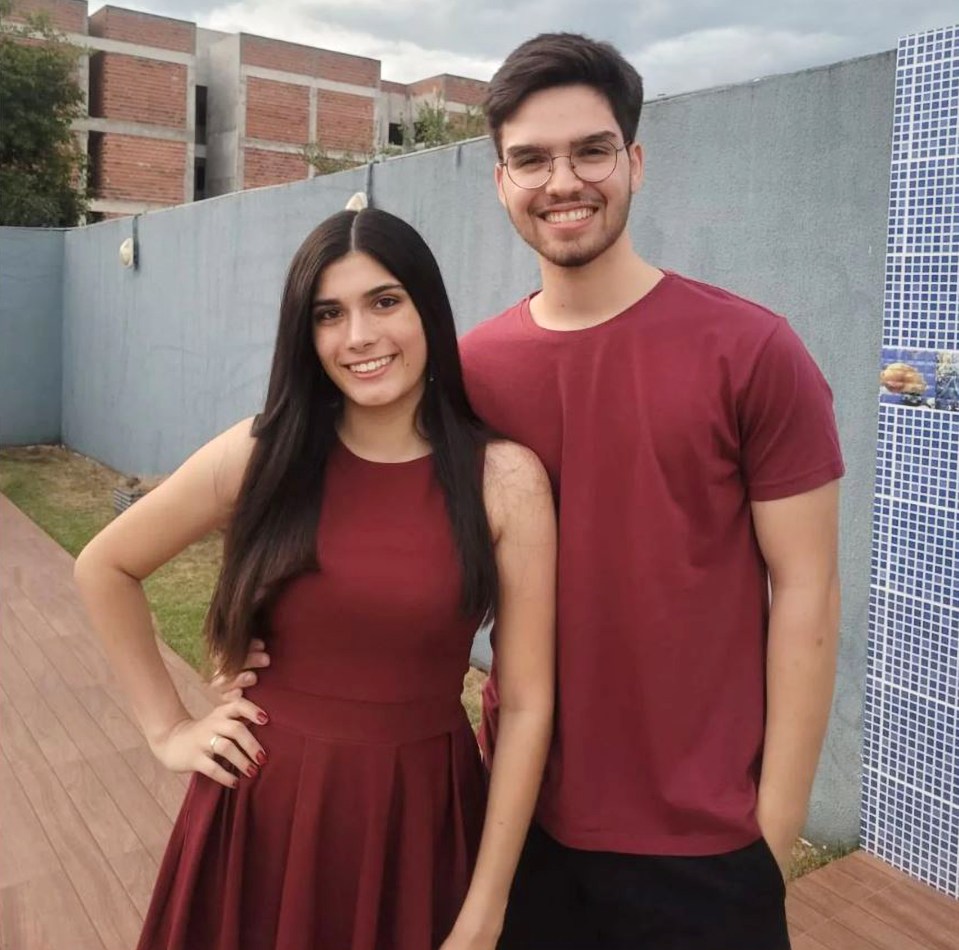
361,830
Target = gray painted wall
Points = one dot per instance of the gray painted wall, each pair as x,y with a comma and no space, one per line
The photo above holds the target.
776,189
31,326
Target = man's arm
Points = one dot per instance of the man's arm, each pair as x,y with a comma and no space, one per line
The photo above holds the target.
798,539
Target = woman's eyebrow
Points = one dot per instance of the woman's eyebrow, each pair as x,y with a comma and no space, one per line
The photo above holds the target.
332,301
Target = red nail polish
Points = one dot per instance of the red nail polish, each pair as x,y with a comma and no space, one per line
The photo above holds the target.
263,718
261,757
251,771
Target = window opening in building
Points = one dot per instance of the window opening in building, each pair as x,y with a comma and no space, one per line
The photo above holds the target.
199,179
201,115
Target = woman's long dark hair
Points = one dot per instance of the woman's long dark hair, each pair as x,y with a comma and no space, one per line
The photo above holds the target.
272,532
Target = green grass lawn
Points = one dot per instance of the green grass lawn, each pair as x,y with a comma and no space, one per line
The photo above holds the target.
69,496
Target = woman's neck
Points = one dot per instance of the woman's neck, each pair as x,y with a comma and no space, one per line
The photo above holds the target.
382,433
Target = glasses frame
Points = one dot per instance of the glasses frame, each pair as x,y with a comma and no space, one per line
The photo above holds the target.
572,167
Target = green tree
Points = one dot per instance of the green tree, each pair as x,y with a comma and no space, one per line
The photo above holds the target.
435,126
42,167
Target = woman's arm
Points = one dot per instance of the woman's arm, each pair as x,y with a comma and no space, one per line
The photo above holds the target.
193,501
523,520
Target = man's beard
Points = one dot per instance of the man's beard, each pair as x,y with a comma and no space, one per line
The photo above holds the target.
573,255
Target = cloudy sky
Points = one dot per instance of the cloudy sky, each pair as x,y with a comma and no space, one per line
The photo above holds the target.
677,46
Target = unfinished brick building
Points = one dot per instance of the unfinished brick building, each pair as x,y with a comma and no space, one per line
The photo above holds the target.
177,113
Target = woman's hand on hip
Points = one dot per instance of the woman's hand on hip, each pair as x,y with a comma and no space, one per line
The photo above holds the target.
210,744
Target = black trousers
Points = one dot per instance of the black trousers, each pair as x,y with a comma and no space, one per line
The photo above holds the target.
567,899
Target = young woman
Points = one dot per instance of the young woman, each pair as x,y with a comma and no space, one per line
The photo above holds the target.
370,525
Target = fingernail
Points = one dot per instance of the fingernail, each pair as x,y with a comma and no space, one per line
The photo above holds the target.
261,757
251,771
236,783
262,718
249,679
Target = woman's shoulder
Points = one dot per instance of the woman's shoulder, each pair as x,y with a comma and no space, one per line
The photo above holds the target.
230,453
512,470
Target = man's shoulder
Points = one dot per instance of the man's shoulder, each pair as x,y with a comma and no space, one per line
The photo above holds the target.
705,301
492,331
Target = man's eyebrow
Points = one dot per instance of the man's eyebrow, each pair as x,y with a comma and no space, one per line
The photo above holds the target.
604,136
331,301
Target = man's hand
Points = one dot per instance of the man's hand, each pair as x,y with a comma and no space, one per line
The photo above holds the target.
232,689
780,836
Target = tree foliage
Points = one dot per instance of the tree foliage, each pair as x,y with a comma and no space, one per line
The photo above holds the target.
433,126
42,167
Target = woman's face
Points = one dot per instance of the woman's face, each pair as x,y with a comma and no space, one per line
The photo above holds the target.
368,335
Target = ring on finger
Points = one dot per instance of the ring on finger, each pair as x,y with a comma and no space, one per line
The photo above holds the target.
213,743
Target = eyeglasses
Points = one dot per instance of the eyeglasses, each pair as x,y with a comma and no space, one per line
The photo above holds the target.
533,167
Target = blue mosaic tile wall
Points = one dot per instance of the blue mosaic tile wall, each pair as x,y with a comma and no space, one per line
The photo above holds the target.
910,811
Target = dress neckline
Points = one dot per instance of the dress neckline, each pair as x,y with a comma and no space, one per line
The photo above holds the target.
346,451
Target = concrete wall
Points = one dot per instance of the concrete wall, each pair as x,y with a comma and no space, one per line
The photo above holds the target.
31,324
776,189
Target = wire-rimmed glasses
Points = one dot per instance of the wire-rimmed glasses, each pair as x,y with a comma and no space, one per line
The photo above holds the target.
591,162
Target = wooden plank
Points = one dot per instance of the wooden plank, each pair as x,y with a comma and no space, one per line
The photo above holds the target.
25,611
137,871
868,870
55,692
25,851
100,892
46,914
869,927
135,801
111,831
46,729
833,877
800,915
117,724
66,662
837,936
805,942
918,910
826,901
168,788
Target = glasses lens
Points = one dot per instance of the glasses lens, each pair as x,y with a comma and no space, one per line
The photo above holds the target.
529,169
594,162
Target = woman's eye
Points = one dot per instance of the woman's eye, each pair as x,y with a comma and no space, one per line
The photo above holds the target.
324,316
386,302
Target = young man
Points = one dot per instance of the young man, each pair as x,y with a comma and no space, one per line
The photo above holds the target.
692,448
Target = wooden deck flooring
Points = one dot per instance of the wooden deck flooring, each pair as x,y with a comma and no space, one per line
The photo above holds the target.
85,809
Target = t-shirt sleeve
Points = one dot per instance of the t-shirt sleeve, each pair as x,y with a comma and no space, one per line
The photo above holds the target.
790,444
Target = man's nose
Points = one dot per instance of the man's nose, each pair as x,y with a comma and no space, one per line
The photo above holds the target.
563,179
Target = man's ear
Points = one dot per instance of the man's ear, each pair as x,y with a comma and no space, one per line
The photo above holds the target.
637,166
498,178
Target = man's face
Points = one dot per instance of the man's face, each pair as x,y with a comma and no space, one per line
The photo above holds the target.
567,221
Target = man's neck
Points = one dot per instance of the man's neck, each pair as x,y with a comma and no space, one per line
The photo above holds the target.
574,298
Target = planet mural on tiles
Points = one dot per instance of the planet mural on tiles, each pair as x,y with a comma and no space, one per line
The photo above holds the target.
906,381
908,378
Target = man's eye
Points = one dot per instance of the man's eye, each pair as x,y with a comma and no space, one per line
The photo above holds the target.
592,153
530,161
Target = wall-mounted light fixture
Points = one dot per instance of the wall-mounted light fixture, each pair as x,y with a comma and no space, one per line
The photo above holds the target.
130,248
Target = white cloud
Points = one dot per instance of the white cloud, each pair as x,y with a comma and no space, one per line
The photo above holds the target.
706,58
402,61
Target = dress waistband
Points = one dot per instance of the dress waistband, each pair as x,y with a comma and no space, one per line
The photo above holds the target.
353,720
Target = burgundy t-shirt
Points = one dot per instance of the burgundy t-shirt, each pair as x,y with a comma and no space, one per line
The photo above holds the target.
658,428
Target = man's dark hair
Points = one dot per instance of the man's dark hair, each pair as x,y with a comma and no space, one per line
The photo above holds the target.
564,59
